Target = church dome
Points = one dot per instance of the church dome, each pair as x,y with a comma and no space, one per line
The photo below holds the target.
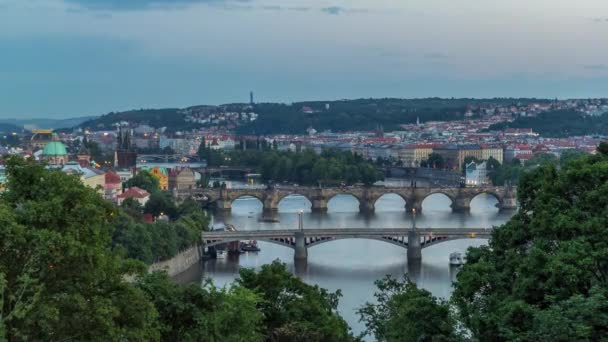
54,148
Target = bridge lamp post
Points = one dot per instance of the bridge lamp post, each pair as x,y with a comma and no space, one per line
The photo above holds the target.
301,220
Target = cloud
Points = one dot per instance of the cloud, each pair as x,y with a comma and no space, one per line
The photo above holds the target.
129,5
337,10
600,20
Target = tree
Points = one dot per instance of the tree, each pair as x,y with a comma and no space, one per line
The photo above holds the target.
192,313
144,180
404,312
161,203
544,275
293,310
435,160
60,279
570,155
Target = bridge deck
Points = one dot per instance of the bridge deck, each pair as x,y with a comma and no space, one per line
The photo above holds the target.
343,232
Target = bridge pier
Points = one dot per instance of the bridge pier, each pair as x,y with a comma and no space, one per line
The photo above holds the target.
301,251
319,205
413,203
461,204
367,206
414,247
224,205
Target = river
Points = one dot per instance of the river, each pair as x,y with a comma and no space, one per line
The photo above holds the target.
353,265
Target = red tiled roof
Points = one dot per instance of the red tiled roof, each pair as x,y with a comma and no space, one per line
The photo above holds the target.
112,177
134,192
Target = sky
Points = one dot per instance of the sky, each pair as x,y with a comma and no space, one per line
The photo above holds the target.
68,58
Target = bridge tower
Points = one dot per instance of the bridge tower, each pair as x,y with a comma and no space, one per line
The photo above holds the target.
301,251
414,247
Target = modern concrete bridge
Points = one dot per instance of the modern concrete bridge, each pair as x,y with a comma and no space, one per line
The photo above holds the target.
413,239
319,197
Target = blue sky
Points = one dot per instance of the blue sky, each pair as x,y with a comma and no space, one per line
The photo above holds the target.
63,58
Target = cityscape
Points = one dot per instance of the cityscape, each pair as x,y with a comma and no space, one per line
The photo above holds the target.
345,171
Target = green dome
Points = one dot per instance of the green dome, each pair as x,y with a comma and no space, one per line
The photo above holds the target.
54,148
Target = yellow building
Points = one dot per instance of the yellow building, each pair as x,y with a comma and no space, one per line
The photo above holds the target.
413,155
93,178
492,151
161,174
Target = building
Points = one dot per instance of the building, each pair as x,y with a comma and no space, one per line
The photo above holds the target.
83,156
413,155
161,174
476,174
90,177
182,178
41,137
113,186
495,152
55,153
140,195
125,155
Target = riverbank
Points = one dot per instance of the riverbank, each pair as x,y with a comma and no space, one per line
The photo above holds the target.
180,262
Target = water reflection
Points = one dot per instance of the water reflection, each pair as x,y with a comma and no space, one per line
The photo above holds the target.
353,265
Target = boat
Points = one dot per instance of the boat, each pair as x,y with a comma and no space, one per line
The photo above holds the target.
221,254
251,246
456,259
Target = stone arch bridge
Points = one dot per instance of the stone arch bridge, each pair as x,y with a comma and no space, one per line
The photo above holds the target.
413,239
319,197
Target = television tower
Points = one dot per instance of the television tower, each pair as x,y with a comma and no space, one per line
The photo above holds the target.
251,98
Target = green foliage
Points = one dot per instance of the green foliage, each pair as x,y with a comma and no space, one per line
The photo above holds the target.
308,168
545,274
214,158
360,114
403,312
559,124
293,310
161,203
144,180
192,313
435,160
150,242
60,280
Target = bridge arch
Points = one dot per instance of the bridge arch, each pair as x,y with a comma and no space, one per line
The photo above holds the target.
475,197
438,194
354,206
304,203
397,241
399,205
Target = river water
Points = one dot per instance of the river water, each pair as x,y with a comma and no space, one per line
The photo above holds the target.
353,265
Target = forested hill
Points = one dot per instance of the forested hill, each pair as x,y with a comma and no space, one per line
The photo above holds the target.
362,114
342,115
558,124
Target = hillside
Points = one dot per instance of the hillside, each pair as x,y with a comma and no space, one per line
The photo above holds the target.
558,124
270,118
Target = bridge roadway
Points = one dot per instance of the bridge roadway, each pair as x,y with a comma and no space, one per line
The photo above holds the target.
367,196
413,239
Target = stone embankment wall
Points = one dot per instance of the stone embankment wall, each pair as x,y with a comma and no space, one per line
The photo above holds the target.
178,263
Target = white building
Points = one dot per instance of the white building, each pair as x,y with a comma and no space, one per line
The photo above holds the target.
476,174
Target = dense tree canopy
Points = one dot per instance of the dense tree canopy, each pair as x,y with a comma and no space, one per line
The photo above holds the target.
403,312
293,310
544,275
61,282
308,168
